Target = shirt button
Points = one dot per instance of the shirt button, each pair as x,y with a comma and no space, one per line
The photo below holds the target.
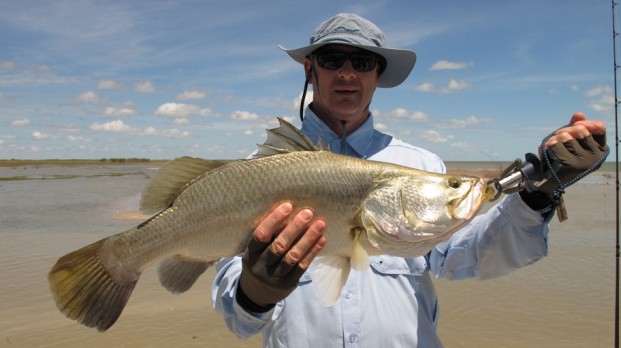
353,338
348,295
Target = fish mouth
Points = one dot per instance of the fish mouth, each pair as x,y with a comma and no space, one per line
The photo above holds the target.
462,207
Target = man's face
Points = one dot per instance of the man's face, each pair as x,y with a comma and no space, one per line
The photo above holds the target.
343,93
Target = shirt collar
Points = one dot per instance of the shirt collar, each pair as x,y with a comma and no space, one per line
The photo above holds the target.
358,142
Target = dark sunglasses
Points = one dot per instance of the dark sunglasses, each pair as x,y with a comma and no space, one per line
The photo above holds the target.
361,62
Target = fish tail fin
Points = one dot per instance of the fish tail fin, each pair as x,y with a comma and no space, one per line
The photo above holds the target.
177,274
85,291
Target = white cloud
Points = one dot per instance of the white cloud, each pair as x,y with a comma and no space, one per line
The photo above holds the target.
21,122
307,100
599,90
399,112
38,69
436,137
8,65
89,97
181,110
144,87
119,126
109,84
116,126
446,65
244,116
426,87
75,138
125,111
601,99
418,116
455,86
174,133
191,94
39,136
412,115
461,123
181,121
604,103
462,145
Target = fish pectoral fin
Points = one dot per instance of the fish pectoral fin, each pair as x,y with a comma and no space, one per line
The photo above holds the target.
172,179
177,274
85,291
329,274
359,257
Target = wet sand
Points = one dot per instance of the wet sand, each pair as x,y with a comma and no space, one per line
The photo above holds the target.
565,300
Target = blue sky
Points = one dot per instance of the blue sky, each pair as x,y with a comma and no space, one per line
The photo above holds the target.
163,79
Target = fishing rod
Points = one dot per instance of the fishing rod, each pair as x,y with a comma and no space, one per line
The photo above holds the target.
616,66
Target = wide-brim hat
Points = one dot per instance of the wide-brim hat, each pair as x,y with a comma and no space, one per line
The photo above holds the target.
352,30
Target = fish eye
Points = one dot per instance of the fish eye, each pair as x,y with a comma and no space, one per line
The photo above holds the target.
454,182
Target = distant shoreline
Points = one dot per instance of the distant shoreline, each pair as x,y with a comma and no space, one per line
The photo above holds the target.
78,162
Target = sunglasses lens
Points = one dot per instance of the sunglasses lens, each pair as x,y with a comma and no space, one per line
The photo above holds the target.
333,61
363,62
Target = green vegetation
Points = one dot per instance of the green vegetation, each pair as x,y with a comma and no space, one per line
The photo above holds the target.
61,176
75,162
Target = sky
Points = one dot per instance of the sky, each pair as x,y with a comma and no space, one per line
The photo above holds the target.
89,79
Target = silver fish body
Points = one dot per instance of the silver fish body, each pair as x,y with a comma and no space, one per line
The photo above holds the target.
206,210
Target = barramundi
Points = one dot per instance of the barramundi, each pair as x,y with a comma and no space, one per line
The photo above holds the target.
205,210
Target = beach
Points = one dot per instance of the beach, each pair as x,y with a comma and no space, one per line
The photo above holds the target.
564,300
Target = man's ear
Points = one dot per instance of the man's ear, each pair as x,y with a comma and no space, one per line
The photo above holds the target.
308,69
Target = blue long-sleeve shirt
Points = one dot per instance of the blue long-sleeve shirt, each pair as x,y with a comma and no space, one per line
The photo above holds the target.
394,304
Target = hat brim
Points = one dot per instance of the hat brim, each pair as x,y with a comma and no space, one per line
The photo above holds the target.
399,62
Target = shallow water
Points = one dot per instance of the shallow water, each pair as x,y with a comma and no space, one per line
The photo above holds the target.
565,300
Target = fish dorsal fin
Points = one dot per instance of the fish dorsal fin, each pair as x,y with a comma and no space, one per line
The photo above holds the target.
285,139
329,274
172,179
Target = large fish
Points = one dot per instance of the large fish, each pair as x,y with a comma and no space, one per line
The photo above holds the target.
205,210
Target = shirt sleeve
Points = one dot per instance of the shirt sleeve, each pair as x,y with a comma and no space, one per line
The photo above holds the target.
241,322
509,236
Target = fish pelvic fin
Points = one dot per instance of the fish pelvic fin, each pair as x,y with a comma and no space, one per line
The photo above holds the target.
178,274
86,292
329,274
285,139
359,257
172,179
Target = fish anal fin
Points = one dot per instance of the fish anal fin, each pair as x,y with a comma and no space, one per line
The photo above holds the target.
88,293
172,179
177,274
329,274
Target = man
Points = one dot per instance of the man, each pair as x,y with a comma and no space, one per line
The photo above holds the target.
393,304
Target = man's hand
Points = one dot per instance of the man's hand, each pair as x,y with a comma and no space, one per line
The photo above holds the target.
279,252
574,149
571,150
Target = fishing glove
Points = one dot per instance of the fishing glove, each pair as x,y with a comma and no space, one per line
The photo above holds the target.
265,278
570,161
